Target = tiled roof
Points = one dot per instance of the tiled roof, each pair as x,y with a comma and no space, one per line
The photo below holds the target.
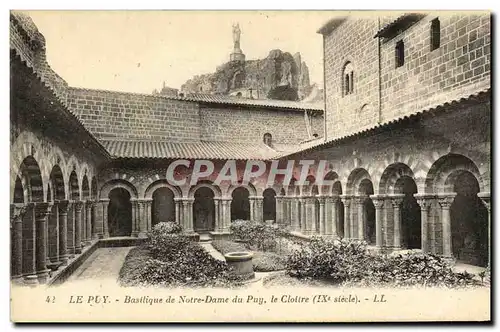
403,22
230,100
189,150
479,95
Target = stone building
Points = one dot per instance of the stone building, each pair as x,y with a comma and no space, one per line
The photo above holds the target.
405,133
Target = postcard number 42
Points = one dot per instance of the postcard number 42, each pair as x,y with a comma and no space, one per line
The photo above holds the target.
50,299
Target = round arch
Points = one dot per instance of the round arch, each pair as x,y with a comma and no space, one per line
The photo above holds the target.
391,175
441,169
355,179
118,183
30,170
250,187
148,193
57,183
205,184
85,188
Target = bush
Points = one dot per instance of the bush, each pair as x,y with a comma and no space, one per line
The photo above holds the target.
167,227
349,263
261,235
171,259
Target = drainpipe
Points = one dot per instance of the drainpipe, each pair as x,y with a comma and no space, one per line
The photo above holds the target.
379,76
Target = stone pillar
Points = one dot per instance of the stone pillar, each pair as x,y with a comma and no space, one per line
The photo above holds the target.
105,228
303,217
88,215
226,214
311,215
445,201
378,202
347,215
63,231
385,224
322,226
258,205
83,218
188,215
425,203
330,218
143,224
135,216
396,201
78,226
178,210
252,208
53,238
17,212
294,214
279,210
485,198
29,249
96,224
218,218
71,229
42,211
360,202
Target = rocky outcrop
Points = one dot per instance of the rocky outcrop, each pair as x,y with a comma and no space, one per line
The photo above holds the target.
264,78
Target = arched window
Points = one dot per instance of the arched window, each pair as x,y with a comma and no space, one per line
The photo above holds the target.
348,79
268,139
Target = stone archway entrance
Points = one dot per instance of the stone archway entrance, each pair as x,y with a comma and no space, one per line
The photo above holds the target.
411,232
240,204
163,206
119,213
469,222
269,204
204,210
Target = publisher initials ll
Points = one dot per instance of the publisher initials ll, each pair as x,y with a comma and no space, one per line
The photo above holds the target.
379,299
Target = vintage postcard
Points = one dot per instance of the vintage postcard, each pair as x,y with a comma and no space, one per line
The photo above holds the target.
250,166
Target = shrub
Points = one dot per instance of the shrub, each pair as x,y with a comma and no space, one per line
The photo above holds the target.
167,227
349,263
261,235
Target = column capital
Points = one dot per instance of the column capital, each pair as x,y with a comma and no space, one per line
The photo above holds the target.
346,199
425,201
396,199
187,201
378,200
104,200
17,211
360,199
256,197
42,209
63,206
445,200
78,206
321,199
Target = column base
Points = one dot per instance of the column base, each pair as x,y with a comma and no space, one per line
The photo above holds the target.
78,250
43,276
105,236
17,280
142,235
64,259
193,236
31,279
53,266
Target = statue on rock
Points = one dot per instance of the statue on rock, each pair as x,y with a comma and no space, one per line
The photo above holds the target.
236,36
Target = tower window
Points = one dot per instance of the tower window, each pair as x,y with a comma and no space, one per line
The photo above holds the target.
400,53
347,79
435,34
268,139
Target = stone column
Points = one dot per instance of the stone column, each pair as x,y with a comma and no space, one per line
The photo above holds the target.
52,237
279,210
178,210
252,208
259,212
360,202
226,214
303,217
396,201
347,215
71,228
78,226
135,217
218,219
63,231
143,223
322,226
42,211
83,230
96,225
105,227
445,201
425,203
188,215
385,227
330,218
17,212
29,243
311,215
294,214
147,223
485,198
378,202
88,215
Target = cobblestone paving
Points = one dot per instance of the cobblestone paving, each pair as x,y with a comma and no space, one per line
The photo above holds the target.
104,263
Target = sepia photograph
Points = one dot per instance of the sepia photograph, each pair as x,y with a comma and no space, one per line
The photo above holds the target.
250,166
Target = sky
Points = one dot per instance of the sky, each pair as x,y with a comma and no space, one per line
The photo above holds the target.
136,51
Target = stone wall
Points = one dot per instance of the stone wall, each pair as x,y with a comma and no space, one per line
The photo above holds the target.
458,68
117,115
